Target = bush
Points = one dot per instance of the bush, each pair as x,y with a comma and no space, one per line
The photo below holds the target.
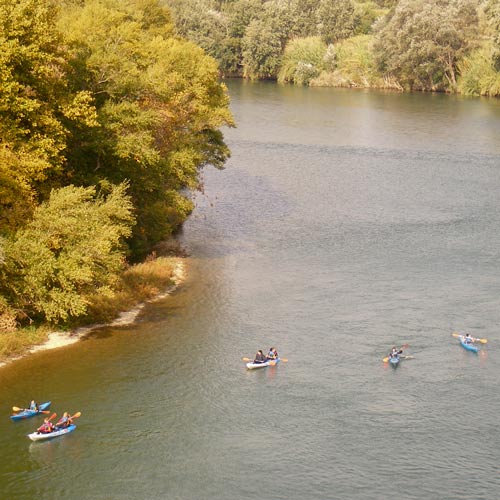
354,67
478,75
303,60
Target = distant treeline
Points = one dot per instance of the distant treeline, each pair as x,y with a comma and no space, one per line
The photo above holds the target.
435,45
106,116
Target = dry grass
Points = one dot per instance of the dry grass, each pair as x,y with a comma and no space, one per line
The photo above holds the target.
15,343
137,284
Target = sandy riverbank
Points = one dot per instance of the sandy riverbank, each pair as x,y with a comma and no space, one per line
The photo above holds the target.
58,339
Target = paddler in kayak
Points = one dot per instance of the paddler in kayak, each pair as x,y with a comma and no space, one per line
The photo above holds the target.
33,405
395,352
46,427
272,354
468,339
259,357
64,421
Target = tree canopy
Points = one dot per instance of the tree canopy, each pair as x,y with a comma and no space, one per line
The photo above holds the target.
99,100
413,44
423,40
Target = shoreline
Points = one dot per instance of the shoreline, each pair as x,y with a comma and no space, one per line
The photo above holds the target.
57,339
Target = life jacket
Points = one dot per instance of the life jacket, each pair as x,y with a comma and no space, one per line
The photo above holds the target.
46,428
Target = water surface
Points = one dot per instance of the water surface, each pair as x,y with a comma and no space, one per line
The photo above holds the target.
345,222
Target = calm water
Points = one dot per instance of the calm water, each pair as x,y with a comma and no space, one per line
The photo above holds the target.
345,222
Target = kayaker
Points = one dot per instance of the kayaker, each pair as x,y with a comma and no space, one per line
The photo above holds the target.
259,357
395,352
46,427
65,420
272,354
33,405
468,339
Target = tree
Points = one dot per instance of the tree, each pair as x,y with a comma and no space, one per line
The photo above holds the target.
200,22
423,40
37,107
73,246
492,11
304,14
261,50
159,108
265,39
335,19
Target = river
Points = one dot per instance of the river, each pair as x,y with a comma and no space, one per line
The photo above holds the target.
346,222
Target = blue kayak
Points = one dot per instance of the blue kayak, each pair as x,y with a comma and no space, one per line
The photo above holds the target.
58,431
30,413
468,346
394,361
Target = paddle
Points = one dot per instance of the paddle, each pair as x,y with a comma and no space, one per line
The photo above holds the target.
483,341
250,360
16,409
404,346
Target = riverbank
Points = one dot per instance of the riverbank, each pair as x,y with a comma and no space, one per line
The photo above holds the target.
140,284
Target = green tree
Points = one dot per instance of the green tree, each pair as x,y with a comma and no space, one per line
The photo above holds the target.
366,14
336,20
423,40
304,14
265,39
159,107
200,22
71,247
492,11
37,107
261,50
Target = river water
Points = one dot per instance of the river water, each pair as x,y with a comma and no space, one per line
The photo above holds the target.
346,222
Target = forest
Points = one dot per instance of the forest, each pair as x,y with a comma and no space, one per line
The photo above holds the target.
429,45
107,117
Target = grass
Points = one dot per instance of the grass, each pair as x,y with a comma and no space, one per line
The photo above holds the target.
16,343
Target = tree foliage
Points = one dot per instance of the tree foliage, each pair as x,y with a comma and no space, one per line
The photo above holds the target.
265,40
492,11
96,93
336,20
73,245
423,40
37,106
159,109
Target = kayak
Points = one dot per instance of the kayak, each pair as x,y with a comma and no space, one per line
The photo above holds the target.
38,436
30,413
394,361
469,347
271,362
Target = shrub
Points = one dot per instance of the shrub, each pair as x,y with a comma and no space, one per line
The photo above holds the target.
478,75
303,60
